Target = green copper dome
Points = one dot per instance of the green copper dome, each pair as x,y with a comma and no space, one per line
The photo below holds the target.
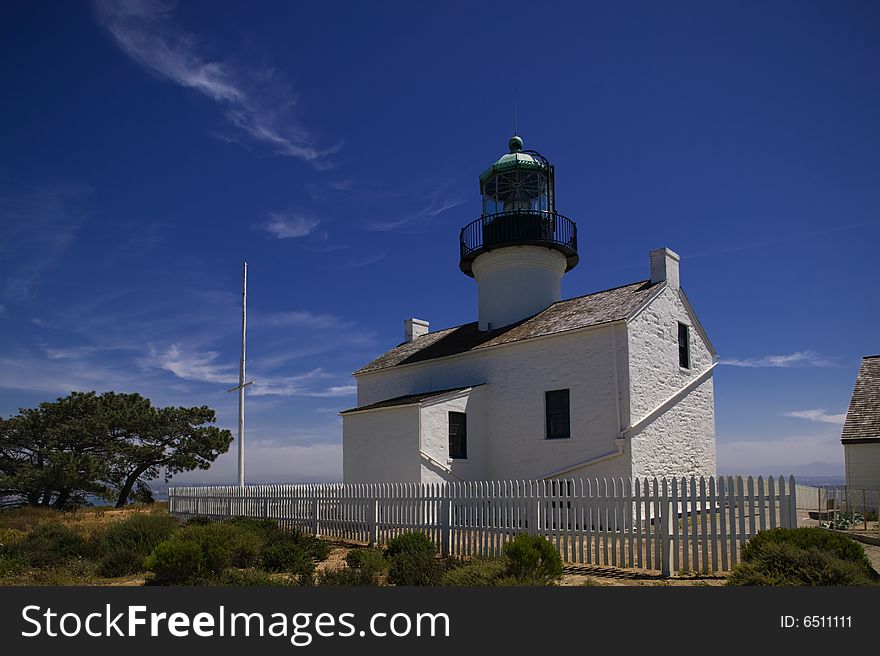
515,159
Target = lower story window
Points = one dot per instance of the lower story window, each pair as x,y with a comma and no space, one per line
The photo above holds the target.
457,435
557,416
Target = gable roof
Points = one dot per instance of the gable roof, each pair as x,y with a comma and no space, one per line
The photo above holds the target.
409,399
863,417
581,312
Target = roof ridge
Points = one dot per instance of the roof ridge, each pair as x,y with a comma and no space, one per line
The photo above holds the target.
601,291
561,300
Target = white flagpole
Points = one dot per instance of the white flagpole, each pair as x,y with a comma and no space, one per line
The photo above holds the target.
241,377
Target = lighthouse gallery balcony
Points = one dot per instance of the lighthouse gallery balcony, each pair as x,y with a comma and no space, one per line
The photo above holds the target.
519,227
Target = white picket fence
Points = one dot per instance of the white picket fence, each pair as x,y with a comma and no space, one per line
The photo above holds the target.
662,524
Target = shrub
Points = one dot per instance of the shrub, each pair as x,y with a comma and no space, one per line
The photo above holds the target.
290,557
199,520
11,564
9,538
315,549
532,560
481,572
840,546
175,562
224,544
120,561
264,527
140,532
413,560
50,543
802,556
125,544
364,567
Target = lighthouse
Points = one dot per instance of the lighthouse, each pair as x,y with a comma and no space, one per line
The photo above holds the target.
611,383
520,247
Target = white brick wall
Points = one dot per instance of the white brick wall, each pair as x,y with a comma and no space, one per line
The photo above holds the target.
680,441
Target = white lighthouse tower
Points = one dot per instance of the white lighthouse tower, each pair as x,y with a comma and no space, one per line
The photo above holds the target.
520,247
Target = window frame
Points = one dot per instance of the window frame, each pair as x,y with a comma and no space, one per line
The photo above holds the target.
548,433
684,350
462,437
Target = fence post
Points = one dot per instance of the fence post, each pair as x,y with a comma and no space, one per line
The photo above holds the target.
445,512
374,523
792,506
666,518
315,506
533,515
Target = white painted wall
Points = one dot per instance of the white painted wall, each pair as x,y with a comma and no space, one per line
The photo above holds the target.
517,375
680,441
380,446
516,282
862,465
434,437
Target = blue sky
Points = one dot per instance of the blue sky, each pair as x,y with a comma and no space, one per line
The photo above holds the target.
148,147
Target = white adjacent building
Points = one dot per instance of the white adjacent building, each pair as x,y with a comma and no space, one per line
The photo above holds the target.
613,383
861,430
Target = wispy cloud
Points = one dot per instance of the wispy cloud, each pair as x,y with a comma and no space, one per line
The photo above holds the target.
299,319
818,415
36,228
79,352
201,367
791,360
287,226
259,103
362,262
416,220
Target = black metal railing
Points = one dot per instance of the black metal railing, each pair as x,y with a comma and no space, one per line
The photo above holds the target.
519,227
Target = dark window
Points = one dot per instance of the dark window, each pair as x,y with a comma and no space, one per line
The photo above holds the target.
556,408
457,435
684,346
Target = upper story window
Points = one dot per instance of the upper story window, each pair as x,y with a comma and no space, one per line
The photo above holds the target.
458,435
557,414
684,346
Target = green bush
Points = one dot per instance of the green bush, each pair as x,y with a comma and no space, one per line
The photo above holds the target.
413,560
52,542
225,544
803,556
120,561
290,557
176,562
840,546
199,520
481,572
140,532
532,560
125,544
316,549
11,564
364,567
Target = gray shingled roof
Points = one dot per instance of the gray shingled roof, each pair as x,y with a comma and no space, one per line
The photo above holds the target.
863,417
581,312
409,399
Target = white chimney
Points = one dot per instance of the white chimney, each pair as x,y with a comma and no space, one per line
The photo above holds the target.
664,266
413,328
